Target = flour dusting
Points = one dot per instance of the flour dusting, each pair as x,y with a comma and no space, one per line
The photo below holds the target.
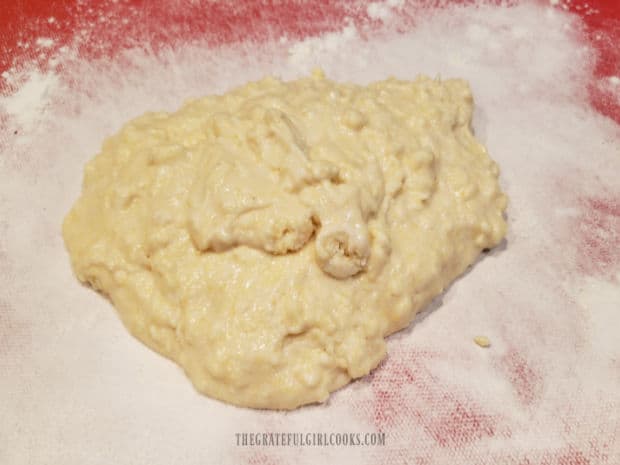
315,51
45,42
28,104
383,10
545,391
610,86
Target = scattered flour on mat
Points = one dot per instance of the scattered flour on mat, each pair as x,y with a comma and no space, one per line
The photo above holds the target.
532,112
45,42
383,10
330,45
28,104
611,87
601,300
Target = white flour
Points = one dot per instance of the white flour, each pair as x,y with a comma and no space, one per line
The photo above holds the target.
45,42
315,50
611,87
529,68
28,104
383,10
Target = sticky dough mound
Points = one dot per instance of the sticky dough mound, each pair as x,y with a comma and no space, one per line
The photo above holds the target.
269,239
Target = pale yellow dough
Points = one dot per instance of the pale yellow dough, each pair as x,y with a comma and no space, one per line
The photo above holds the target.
268,239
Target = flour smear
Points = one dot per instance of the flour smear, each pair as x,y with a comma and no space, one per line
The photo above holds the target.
65,360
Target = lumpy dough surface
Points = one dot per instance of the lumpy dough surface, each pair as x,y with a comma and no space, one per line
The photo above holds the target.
267,240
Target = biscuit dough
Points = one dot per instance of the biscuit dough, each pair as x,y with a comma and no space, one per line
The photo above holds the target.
269,239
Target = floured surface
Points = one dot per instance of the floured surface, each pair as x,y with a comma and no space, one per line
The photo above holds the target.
545,392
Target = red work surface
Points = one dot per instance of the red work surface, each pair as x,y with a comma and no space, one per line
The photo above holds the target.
221,22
